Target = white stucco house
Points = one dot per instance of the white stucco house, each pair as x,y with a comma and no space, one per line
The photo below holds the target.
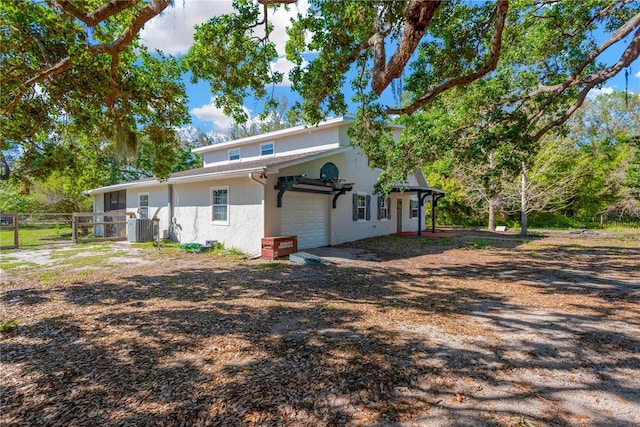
303,181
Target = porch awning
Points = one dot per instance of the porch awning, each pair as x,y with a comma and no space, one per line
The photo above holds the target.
423,192
334,187
417,189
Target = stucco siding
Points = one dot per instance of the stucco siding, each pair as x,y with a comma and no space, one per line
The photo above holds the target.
315,139
353,168
157,204
193,214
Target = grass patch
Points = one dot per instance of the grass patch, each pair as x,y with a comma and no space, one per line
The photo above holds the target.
12,263
217,249
481,243
85,256
440,241
79,250
47,276
271,265
232,253
166,247
328,307
154,244
37,234
8,325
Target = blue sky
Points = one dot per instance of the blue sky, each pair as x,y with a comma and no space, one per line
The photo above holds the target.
172,33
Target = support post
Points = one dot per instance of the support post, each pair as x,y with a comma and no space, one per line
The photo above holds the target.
16,226
434,204
74,228
419,213
421,199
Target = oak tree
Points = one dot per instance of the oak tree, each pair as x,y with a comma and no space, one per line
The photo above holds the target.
81,62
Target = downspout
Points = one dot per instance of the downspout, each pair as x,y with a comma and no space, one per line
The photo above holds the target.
264,199
255,180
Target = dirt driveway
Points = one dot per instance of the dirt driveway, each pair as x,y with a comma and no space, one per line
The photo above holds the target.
470,329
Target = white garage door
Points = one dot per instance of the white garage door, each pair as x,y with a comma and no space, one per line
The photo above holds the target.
306,216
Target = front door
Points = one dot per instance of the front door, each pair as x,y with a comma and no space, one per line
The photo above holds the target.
399,214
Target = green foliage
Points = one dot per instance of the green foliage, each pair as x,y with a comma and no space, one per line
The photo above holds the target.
12,199
8,325
606,133
573,177
61,78
456,208
279,116
230,53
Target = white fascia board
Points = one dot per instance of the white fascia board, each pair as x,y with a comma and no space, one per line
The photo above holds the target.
178,180
215,175
274,135
124,186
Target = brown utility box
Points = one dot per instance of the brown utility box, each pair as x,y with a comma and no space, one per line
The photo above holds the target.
275,247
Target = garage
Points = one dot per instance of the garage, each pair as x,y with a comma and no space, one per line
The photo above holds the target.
306,216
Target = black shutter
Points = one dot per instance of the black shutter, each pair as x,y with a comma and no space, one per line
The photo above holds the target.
380,207
368,208
355,207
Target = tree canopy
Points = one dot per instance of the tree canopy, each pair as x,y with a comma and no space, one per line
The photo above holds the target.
81,64
71,68
574,177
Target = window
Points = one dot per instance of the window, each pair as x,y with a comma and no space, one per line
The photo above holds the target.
413,209
115,201
361,207
220,205
143,205
384,213
234,154
267,149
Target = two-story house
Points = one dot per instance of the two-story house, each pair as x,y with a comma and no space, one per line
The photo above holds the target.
304,181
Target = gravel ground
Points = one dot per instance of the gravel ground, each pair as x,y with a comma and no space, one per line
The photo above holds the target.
468,329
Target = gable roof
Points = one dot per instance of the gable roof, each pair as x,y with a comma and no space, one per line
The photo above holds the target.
228,170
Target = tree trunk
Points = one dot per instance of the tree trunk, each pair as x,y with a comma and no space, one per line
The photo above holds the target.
492,216
523,202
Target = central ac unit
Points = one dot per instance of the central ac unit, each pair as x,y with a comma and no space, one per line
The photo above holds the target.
139,230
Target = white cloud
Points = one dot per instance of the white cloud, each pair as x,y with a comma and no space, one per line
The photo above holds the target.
283,65
281,19
638,74
172,32
593,93
211,113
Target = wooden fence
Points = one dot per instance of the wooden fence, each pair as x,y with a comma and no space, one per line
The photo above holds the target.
9,221
34,229
38,229
105,226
